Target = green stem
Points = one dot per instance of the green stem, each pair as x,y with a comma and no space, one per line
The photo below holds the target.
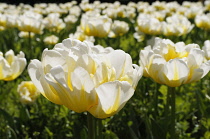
91,126
95,127
156,101
167,103
173,113
99,128
30,46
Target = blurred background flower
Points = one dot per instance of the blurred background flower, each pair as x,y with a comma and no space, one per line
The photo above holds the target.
28,92
11,66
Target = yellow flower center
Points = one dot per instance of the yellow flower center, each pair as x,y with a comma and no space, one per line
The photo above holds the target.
172,54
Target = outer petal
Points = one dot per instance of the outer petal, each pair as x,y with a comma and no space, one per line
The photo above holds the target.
156,67
80,96
4,68
16,68
176,72
36,74
112,96
194,61
50,59
118,59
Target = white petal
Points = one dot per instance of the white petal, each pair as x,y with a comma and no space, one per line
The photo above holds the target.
195,58
36,74
176,72
113,95
81,79
51,58
117,59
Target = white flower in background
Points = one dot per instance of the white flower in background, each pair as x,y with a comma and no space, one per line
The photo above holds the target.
119,28
173,6
3,20
148,24
54,23
70,19
98,26
30,24
11,21
28,92
131,14
110,12
203,21
33,14
12,10
80,35
207,5
54,8
173,64
2,28
141,6
176,25
84,77
86,6
51,40
193,11
11,66
23,34
206,49
121,12
75,10
159,5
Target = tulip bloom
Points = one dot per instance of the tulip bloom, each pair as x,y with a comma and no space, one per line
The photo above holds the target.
11,66
203,21
119,28
28,92
51,40
30,24
98,26
84,77
173,64
206,49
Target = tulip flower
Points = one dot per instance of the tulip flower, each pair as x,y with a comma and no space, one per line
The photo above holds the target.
28,92
173,64
30,24
119,28
11,66
148,24
84,77
203,21
80,35
51,40
206,49
98,26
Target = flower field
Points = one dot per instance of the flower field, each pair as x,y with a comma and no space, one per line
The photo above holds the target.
105,70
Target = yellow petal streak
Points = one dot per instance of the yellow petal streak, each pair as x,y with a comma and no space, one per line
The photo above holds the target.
172,54
115,106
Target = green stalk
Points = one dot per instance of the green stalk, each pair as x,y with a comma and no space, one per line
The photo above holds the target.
99,128
91,126
156,101
95,127
30,46
173,113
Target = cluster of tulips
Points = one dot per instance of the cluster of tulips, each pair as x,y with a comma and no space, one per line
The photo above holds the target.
85,76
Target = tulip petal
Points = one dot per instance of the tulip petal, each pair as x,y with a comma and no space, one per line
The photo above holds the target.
36,74
118,59
113,96
176,72
51,55
81,80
